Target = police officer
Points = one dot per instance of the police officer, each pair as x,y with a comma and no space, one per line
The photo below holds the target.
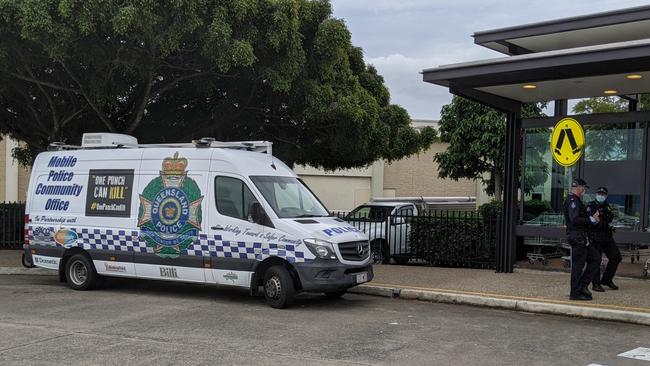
578,224
602,234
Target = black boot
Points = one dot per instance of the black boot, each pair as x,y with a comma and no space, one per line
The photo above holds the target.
598,288
580,297
610,284
585,292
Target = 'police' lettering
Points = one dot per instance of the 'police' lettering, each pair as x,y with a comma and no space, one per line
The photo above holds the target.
60,176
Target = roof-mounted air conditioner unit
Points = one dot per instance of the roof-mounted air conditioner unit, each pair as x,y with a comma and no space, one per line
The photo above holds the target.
90,140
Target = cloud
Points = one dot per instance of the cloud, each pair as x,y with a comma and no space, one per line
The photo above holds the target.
403,37
403,78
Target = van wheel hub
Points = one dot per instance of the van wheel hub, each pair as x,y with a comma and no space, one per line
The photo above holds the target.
78,273
273,288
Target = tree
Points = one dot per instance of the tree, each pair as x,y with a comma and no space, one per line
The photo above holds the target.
281,70
476,137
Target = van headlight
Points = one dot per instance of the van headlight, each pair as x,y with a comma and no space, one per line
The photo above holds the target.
320,248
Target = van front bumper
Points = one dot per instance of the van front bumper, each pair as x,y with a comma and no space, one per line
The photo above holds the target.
330,276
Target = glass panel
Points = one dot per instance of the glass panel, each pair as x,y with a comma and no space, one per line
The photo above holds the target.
233,197
370,213
545,182
289,197
613,159
613,142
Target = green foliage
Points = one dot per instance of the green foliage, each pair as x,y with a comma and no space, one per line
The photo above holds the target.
600,105
476,137
170,71
609,105
534,208
466,241
491,210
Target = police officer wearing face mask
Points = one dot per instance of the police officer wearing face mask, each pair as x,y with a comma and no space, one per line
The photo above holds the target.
578,225
605,243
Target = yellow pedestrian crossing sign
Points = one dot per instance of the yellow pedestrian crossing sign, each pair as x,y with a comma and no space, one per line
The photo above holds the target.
567,142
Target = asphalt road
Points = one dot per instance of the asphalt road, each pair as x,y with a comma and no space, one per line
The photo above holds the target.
156,323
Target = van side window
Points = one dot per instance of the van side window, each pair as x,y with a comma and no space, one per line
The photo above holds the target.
233,197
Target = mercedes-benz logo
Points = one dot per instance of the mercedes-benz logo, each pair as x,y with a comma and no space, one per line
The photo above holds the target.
360,248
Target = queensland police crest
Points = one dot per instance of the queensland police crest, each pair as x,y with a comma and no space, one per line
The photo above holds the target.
169,216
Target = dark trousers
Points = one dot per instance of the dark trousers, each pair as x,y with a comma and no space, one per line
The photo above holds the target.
582,253
607,245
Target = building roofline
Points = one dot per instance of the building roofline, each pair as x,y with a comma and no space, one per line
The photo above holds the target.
564,24
503,35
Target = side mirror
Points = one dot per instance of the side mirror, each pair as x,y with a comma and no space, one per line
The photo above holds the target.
257,215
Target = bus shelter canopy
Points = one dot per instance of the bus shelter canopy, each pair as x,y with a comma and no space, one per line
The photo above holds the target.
609,56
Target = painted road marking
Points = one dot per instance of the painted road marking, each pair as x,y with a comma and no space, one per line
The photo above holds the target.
640,353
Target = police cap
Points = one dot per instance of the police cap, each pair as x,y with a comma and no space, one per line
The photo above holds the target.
602,190
579,182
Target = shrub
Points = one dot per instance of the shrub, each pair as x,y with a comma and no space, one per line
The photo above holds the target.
454,240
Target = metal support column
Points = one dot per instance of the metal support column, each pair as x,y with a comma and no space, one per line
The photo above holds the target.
506,247
557,186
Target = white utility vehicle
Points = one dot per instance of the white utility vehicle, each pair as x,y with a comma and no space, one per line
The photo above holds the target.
388,228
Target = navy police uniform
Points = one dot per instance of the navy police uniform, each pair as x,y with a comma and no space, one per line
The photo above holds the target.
578,225
604,240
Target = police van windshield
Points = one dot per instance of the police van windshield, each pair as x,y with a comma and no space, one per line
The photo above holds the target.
289,197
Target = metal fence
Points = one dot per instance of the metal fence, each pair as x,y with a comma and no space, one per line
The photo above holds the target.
11,225
439,238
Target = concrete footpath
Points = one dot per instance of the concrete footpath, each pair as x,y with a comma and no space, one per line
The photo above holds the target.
525,290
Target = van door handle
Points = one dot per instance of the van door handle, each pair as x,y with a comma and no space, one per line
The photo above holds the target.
216,227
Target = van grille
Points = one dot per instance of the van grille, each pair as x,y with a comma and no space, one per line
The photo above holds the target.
350,250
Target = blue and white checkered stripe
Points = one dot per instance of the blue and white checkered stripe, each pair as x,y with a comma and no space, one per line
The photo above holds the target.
217,247
130,241
119,240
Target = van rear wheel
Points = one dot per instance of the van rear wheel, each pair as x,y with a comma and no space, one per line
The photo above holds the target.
80,273
278,287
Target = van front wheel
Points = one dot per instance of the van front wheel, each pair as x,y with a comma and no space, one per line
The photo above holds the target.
278,287
80,273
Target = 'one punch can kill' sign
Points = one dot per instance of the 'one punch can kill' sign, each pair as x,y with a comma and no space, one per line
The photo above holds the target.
567,142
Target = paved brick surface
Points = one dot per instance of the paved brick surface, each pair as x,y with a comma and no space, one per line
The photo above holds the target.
10,258
543,285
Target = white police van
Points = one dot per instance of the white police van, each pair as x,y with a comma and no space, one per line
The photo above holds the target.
206,212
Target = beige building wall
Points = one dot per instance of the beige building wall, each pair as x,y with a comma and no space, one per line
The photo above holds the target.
343,190
14,178
418,176
23,182
340,193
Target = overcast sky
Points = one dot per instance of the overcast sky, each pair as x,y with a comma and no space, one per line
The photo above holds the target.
403,37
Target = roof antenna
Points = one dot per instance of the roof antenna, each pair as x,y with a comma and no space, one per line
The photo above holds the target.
273,163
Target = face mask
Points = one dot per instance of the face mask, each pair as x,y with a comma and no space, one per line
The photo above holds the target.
600,198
